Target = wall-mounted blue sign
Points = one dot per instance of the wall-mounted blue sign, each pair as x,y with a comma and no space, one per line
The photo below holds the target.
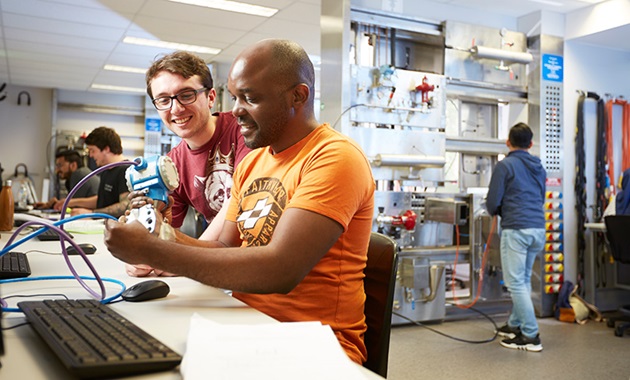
552,67
152,125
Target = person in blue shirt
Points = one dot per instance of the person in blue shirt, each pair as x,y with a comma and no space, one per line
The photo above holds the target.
517,194
622,200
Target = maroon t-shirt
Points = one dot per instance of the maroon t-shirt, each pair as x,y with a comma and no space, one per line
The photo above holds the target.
205,174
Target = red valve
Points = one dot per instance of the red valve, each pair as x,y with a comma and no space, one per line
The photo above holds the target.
424,89
407,219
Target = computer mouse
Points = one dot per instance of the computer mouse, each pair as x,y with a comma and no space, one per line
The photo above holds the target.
146,290
87,248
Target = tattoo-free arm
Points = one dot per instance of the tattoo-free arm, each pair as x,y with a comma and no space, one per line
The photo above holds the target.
300,240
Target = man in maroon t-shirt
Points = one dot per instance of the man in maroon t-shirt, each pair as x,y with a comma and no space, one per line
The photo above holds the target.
182,90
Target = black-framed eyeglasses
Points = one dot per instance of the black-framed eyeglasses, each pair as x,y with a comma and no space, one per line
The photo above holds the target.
163,103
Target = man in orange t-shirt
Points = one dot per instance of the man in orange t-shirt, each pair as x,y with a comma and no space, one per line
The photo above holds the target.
294,243
327,174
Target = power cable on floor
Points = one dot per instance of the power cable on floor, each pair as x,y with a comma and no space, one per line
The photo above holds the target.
494,336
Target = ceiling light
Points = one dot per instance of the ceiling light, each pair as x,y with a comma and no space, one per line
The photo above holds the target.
548,2
125,69
591,1
118,88
171,45
232,6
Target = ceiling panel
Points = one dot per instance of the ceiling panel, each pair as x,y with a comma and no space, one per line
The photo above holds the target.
77,43
181,31
302,12
58,27
65,43
70,11
169,11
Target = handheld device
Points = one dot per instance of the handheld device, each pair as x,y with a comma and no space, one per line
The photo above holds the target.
156,173
145,215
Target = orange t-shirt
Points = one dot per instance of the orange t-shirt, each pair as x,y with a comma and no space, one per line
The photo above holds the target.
327,173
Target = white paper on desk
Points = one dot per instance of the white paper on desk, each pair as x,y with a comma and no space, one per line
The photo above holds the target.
300,350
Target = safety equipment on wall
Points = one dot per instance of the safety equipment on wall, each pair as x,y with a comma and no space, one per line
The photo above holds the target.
3,94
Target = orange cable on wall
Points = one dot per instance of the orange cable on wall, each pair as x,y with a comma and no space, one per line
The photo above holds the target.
625,161
625,146
483,265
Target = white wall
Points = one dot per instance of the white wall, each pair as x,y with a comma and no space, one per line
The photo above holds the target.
124,113
587,68
25,131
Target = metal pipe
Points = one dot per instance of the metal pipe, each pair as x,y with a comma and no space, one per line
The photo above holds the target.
408,160
500,54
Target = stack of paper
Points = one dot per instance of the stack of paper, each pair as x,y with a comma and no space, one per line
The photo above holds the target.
300,350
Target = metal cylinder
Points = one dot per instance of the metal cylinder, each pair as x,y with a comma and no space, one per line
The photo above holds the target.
500,54
409,160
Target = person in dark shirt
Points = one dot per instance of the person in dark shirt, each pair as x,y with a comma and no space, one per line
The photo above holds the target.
105,147
69,167
517,195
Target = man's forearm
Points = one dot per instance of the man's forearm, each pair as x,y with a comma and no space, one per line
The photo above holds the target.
117,209
182,238
89,202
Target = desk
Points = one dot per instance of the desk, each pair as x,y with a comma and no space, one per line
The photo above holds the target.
168,319
606,297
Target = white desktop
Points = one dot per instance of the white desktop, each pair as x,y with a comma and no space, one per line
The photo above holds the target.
167,319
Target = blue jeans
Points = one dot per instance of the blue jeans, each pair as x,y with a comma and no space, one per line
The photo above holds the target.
519,249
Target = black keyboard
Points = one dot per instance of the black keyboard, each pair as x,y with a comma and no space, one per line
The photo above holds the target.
49,235
14,265
94,341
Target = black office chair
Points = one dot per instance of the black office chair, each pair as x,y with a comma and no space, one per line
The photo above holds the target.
618,234
379,282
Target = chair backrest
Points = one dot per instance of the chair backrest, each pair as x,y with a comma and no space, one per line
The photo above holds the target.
379,282
618,234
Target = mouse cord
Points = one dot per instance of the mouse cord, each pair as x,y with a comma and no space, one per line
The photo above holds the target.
104,301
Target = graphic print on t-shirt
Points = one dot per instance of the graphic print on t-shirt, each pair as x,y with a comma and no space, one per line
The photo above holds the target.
217,184
260,209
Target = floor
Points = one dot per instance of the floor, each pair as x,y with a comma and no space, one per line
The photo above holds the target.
570,351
